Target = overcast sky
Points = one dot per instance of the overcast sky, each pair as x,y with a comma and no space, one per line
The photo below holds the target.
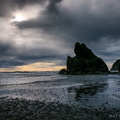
40,34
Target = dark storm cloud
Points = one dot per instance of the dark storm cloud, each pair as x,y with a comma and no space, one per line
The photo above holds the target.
84,23
52,7
22,3
11,55
7,55
8,6
5,48
92,22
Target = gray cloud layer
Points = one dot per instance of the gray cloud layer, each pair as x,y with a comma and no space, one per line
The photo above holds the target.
93,22
83,23
12,55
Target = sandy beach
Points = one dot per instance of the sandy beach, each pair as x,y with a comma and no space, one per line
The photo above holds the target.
49,96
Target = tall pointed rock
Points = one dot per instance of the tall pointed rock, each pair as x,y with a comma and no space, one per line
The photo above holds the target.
85,62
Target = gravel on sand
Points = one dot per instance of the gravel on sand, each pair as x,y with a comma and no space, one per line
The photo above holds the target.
22,109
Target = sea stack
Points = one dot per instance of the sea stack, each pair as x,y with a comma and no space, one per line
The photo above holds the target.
85,62
116,66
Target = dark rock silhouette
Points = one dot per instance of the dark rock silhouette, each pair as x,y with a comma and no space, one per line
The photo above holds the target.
116,66
63,71
85,62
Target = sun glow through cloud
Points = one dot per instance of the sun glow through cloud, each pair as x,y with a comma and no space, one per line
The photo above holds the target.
19,18
26,13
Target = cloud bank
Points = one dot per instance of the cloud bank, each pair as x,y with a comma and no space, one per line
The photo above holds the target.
61,23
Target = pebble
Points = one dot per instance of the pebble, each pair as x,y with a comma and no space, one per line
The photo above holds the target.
22,109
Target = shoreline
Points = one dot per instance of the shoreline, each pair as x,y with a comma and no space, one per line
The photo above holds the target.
99,73
23,109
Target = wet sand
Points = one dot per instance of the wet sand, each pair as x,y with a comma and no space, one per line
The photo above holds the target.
69,98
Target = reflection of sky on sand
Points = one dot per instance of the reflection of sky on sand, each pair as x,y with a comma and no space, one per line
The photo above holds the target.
57,90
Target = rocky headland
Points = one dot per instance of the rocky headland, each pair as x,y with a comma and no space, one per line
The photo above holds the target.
84,62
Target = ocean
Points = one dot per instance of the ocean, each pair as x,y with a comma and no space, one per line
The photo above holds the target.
77,90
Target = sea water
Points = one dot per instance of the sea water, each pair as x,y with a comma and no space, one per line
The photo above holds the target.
66,89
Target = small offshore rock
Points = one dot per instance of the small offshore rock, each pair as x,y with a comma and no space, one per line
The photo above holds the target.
116,66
